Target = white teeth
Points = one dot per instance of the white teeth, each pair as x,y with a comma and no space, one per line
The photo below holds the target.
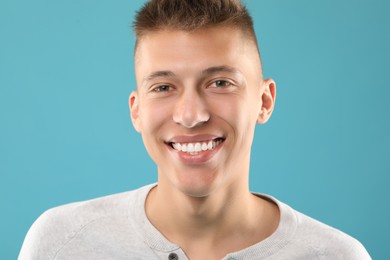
176,146
198,147
190,148
194,148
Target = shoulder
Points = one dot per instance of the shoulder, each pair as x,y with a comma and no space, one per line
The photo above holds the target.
59,225
324,241
301,237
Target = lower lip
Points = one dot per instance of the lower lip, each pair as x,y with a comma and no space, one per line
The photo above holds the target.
194,159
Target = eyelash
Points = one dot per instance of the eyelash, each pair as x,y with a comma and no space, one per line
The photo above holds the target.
166,88
159,88
226,83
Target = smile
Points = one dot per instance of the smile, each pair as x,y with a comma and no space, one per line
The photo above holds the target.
197,147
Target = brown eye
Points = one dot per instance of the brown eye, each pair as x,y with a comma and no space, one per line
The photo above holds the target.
222,83
162,88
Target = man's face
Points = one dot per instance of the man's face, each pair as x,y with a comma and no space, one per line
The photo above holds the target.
199,96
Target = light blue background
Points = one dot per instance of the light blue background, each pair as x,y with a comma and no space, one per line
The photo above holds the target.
65,135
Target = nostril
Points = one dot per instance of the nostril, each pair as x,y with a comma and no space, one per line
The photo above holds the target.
191,111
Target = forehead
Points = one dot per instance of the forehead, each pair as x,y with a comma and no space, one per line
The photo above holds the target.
209,36
178,50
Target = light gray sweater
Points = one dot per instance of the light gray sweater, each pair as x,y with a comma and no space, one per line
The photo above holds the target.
116,227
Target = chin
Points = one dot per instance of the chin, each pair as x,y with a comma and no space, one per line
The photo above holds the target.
196,192
197,187
194,181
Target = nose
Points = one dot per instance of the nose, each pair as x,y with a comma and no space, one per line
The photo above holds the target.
191,110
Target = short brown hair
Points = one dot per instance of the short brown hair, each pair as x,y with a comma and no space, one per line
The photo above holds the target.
191,15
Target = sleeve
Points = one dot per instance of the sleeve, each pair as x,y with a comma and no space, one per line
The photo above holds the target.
352,249
46,236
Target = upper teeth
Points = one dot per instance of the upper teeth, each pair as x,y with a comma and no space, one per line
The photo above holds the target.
193,148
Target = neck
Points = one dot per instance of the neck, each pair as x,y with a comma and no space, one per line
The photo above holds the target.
181,212
231,217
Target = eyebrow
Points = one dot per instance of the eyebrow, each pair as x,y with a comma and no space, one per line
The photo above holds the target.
158,74
217,69
205,73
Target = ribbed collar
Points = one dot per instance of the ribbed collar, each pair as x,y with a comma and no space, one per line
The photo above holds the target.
271,245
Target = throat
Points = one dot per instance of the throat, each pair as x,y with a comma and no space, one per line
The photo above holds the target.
211,218
202,229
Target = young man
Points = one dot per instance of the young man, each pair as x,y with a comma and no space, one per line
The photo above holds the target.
200,93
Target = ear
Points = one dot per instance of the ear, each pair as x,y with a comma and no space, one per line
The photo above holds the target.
268,101
134,110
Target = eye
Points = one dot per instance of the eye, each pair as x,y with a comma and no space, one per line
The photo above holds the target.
221,84
162,88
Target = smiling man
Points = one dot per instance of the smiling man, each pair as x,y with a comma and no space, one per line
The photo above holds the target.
200,93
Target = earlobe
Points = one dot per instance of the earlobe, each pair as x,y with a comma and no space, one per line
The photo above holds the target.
134,110
268,101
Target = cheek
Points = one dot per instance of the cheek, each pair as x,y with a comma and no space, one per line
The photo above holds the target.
241,115
152,119
153,115
239,112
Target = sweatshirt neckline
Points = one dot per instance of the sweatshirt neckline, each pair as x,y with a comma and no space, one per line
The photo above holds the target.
280,238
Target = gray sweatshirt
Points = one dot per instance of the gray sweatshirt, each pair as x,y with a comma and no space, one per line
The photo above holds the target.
116,227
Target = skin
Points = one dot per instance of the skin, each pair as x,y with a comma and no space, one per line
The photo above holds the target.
198,86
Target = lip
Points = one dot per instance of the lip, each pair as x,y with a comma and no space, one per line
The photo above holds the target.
198,158
193,138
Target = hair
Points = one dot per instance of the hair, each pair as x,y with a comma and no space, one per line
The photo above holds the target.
192,15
